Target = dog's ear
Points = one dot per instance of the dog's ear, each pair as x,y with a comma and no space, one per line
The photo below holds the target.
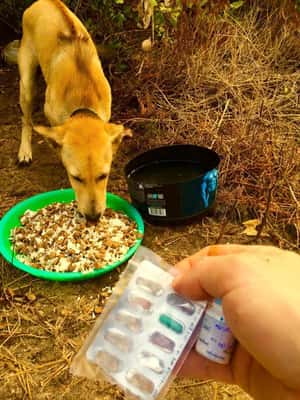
55,133
117,132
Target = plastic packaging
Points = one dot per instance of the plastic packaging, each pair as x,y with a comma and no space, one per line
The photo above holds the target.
145,332
215,340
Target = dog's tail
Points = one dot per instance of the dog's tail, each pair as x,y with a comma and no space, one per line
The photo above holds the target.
73,33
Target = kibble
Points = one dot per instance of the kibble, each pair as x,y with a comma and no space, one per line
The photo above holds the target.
56,238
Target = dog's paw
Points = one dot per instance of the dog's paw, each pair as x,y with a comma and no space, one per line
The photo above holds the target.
24,157
22,164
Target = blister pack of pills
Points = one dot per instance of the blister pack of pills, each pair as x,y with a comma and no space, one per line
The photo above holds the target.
144,333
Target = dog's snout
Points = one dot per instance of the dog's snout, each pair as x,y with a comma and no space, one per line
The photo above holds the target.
93,217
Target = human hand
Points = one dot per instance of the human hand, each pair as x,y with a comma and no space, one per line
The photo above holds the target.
260,291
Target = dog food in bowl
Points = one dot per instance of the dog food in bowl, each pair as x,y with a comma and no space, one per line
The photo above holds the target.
56,238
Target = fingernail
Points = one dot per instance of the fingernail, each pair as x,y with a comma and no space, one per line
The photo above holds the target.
174,271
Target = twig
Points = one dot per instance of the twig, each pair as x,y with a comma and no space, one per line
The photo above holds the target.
168,243
77,6
141,67
11,333
293,195
215,391
139,119
266,213
5,22
165,97
19,376
20,334
223,115
54,375
17,279
200,383
225,222
153,28
290,245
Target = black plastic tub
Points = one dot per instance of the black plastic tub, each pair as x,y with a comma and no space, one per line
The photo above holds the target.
173,183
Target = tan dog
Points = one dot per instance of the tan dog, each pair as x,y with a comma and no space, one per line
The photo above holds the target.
77,101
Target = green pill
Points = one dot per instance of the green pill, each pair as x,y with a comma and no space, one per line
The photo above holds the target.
170,323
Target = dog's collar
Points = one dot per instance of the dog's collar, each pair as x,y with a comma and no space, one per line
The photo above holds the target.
87,111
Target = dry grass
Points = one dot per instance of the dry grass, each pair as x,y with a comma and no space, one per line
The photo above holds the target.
232,84
39,334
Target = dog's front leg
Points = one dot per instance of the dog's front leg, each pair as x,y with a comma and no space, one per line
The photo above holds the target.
27,68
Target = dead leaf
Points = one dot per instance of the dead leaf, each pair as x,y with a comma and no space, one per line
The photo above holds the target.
30,296
147,45
19,299
145,10
9,293
98,309
3,325
251,228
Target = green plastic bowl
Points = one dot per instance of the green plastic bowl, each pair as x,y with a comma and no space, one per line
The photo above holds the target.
12,219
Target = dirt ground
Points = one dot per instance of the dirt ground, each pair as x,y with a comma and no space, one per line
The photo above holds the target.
42,324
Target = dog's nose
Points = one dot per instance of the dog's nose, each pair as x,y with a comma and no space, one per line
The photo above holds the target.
93,217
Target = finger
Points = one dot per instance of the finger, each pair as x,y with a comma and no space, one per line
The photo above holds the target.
197,366
200,277
227,249
221,250
213,250
208,277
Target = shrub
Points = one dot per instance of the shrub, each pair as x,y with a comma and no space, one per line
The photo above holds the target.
231,84
103,17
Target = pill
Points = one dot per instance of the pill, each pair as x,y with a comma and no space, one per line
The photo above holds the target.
149,286
149,360
181,303
171,323
140,303
132,396
138,380
162,341
118,339
108,361
133,323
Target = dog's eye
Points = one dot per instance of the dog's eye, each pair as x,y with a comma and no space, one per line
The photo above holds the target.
76,178
101,177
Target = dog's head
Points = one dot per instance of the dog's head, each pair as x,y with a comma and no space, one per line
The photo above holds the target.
87,148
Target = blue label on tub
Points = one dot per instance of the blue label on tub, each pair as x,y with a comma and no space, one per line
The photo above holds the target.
208,186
